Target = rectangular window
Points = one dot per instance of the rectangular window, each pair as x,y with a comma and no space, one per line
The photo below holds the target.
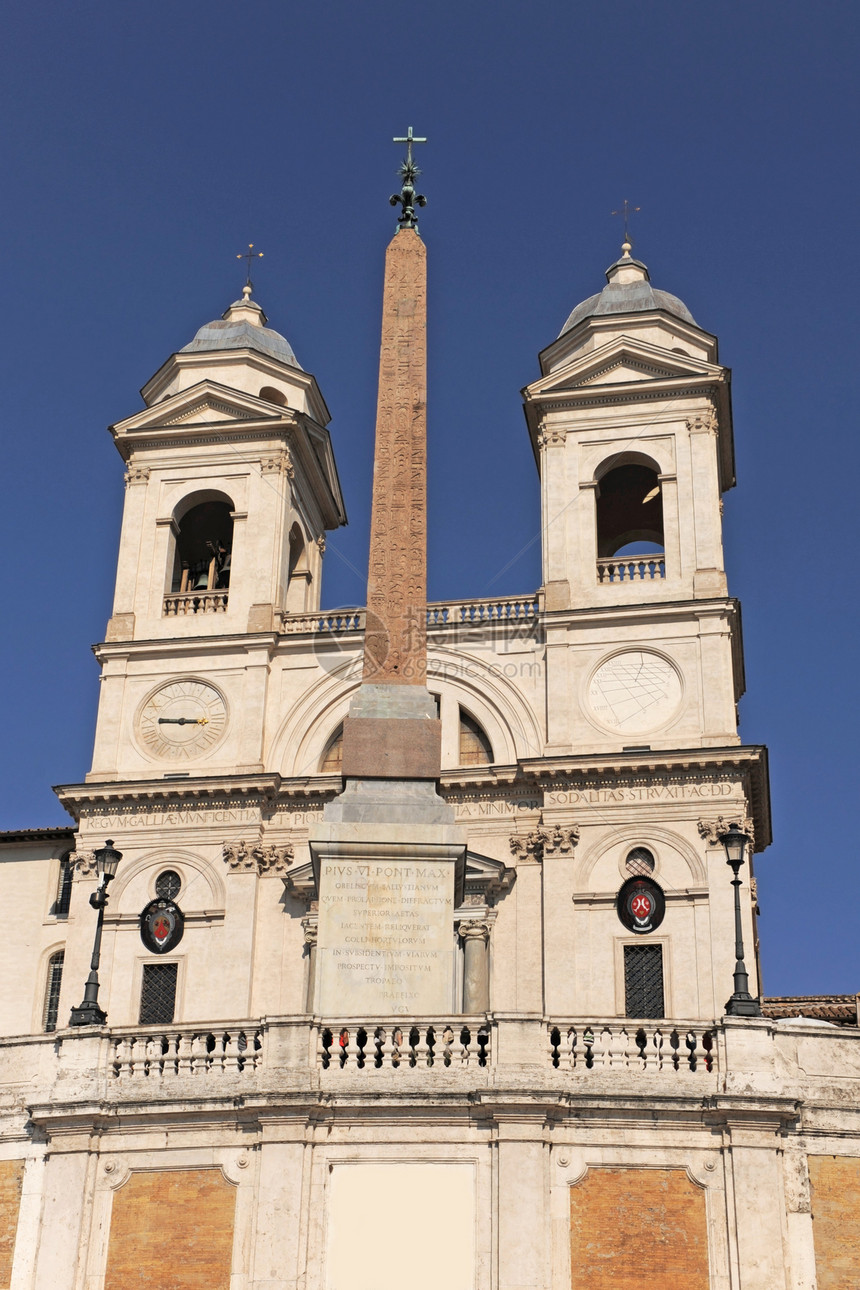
643,981
158,994
52,990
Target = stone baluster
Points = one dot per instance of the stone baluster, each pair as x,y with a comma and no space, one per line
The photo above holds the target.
199,1053
184,1054
618,1054
476,967
231,1053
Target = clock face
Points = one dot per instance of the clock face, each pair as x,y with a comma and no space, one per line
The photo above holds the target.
635,692
182,720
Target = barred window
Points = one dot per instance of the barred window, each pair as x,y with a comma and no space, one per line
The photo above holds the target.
53,983
64,887
168,884
640,862
643,981
158,994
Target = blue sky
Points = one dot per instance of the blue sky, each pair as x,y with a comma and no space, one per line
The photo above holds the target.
146,145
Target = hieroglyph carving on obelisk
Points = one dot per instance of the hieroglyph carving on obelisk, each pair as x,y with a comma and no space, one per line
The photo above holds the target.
396,637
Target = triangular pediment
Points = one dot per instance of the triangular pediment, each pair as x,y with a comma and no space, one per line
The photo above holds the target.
203,404
624,361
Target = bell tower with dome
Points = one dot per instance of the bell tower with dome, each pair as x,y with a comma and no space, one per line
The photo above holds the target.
631,427
231,485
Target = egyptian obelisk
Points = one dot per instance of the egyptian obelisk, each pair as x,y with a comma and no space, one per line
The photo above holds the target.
388,858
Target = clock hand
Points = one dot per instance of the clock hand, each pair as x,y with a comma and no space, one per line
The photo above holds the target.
183,721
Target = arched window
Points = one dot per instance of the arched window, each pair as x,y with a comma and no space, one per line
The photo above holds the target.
299,572
332,759
64,887
53,983
475,747
204,548
629,512
271,395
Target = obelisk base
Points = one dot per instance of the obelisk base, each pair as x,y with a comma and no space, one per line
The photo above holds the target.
392,732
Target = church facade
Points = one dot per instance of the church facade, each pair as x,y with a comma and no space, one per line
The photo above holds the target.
555,1095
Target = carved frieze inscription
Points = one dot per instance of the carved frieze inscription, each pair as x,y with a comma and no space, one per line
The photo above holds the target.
385,941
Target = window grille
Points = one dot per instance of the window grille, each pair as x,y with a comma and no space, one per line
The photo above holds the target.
158,994
643,981
640,862
52,990
168,884
64,888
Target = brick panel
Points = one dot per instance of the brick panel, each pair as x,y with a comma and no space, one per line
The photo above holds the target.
172,1229
836,1220
632,1227
11,1177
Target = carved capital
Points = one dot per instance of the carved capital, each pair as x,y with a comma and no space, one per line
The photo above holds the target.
272,859
531,844
238,857
713,831
278,463
470,931
320,541
553,435
703,423
85,864
562,839
136,474
311,932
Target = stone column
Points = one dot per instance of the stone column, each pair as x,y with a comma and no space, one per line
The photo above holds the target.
476,967
311,943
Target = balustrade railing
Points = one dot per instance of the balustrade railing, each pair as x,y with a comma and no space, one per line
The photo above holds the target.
655,1047
160,1053
403,1046
440,614
631,568
179,604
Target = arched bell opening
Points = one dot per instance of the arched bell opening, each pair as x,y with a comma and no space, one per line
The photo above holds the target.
629,511
204,547
271,395
299,577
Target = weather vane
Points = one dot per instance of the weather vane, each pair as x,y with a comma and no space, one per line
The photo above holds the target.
249,255
407,198
626,211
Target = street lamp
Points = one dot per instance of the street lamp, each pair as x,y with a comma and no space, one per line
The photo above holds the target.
741,1004
89,1013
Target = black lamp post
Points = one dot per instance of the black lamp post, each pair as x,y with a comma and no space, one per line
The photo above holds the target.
89,1013
741,1004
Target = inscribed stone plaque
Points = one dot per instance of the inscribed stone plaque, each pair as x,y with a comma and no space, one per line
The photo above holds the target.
385,942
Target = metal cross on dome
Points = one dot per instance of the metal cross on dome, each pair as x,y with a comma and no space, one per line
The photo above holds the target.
407,198
625,212
250,255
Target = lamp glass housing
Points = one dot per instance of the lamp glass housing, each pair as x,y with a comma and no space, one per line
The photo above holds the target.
735,843
107,859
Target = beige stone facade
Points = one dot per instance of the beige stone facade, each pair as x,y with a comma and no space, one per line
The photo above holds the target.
533,1130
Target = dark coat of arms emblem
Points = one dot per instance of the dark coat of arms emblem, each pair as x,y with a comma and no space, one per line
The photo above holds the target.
641,904
161,925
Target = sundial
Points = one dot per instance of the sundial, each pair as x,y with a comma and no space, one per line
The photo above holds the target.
635,692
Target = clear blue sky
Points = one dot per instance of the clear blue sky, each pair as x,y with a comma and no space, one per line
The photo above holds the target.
146,145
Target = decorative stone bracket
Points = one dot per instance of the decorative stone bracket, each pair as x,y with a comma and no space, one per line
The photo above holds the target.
258,858
84,864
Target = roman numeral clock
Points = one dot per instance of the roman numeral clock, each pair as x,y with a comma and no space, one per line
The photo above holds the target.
181,720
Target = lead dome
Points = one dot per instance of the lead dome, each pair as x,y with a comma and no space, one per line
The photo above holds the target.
243,326
628,291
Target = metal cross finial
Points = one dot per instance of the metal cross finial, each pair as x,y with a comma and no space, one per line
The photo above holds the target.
407,198
250,255
626,211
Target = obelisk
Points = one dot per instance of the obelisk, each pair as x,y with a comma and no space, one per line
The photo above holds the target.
389,859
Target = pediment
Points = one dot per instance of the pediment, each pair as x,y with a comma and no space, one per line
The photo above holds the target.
623,361
204,404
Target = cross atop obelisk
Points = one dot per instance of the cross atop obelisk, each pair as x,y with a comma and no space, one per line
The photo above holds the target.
386,735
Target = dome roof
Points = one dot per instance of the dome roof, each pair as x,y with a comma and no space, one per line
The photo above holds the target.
243,327
628,291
